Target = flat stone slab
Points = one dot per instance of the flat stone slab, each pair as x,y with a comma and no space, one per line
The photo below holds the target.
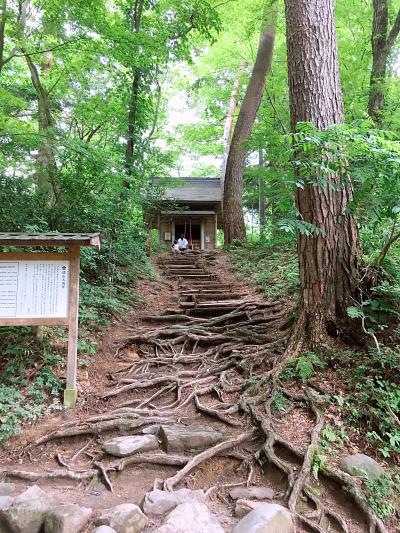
180,438
158,502
123,446
248,493
69,518
5,501
27,511
191,517
124,518
243,507
6,489
357,464
104,529
266,518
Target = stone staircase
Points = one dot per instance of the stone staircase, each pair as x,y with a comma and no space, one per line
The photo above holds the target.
200,290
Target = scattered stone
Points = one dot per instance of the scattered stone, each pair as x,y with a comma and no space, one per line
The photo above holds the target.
104,529
191,517
151,430
123,446
97,488
243,507
124,518
359,463
158,502
27,511
69,518
5,501
6,489
266,518
181,438
258,493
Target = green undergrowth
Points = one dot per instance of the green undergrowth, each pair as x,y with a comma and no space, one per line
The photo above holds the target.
364,406
272,268
32,367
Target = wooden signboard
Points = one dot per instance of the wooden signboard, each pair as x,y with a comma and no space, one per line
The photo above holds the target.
42,289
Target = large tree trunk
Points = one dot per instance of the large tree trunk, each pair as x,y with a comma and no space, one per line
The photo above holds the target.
234,227
229,120
328,262
382,44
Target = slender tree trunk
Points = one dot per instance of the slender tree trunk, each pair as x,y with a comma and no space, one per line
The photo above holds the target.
234,227
261,193
328,262
46,172
136,19
382,44
3,20
229,119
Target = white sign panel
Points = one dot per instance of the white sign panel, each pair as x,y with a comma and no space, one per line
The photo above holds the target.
34,289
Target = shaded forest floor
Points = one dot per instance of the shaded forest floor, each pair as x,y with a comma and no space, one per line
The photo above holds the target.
203,360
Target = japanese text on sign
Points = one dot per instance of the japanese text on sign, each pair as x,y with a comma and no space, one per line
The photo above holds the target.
34,289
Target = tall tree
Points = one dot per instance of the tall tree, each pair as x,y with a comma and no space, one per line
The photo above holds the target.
135,23
228,127
234,227
382,41
328,262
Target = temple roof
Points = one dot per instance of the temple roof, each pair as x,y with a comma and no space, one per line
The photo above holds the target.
192,190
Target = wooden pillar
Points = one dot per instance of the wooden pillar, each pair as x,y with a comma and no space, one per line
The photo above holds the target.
70,393
202,247
173,230
159,228
216,230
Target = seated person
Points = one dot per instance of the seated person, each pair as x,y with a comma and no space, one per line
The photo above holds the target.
182,243
175,246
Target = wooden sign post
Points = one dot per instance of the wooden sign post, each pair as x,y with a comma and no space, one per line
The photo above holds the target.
42,289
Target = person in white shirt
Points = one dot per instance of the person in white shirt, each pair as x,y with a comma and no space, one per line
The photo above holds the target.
182,243
175,247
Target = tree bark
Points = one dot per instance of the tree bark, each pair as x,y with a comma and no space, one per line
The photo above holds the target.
46,173
328,262
382,45
261,193
234,228
229,120
136,19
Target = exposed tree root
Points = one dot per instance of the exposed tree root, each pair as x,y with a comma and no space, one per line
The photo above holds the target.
53,474
171,482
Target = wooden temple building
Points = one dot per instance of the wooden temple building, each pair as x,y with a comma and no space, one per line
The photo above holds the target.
193,207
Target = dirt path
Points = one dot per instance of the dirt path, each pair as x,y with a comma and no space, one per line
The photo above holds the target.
196,358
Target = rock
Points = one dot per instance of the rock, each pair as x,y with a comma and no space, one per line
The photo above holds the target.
266,518
69,518
158,502
27,511
359,463
191,517
258,493
104,529
243,507
97,488
122,446
6,489
181,438
5,501
151,430
124,518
